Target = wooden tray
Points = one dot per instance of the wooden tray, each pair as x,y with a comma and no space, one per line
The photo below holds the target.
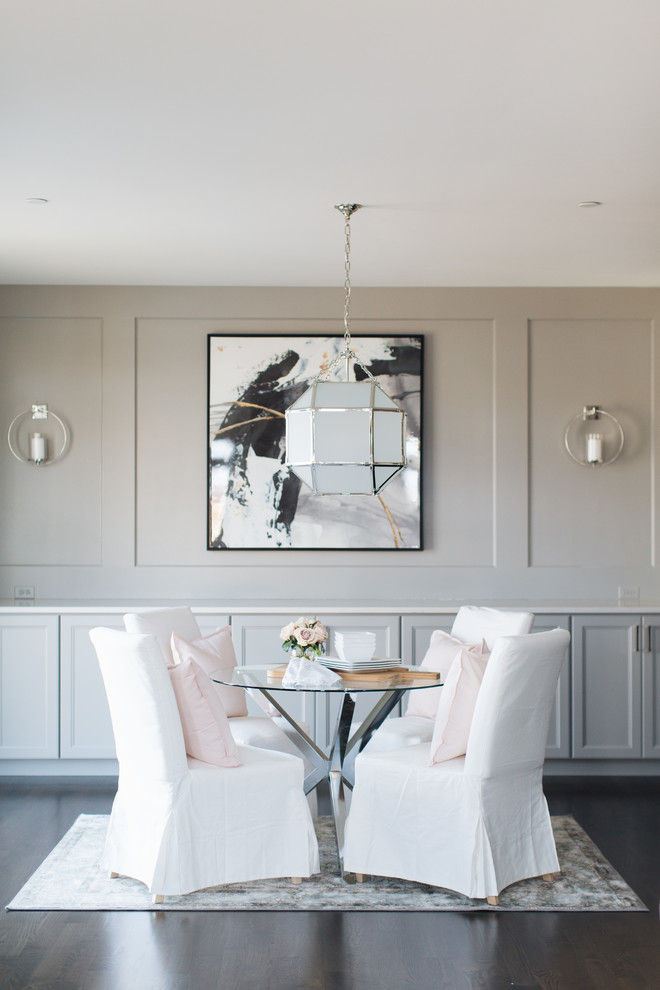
375,675
379,675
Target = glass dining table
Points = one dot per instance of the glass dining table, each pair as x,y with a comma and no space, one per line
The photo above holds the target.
337,764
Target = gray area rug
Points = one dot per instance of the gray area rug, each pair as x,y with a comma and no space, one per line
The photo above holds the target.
70,880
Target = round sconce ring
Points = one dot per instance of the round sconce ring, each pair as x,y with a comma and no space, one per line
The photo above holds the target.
594,437
36,412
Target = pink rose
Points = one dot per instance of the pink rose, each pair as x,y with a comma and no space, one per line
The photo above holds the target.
287,631
320,633
305,636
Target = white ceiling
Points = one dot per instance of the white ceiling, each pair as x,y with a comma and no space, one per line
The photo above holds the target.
205,142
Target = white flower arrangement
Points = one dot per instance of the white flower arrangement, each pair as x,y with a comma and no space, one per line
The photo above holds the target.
304,637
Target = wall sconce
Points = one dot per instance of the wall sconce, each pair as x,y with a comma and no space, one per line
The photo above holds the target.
594,437
37,442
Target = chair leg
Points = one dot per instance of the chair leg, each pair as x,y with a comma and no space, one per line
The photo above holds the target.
157,899
549,877
494,901
112,875
360,877
296,879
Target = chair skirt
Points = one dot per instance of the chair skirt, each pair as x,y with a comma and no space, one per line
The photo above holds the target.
440,826
214,825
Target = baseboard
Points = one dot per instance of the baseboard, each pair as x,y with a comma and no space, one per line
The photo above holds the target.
601,768
59,768
110,768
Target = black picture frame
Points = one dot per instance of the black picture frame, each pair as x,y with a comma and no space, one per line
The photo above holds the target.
254,501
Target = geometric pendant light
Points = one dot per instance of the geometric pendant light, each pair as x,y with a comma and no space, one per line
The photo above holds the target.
345,437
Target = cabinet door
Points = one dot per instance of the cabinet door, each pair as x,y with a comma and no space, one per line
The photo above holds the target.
651,688
85,725
208,623
607,687
257,641
388,644
29,721
416,632
86,729
559,730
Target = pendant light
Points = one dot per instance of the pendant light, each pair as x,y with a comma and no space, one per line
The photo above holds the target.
345,437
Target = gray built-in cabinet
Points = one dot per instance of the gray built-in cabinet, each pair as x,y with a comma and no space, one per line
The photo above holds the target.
616,688
54,715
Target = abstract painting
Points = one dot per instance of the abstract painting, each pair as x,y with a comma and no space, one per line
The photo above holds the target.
255,501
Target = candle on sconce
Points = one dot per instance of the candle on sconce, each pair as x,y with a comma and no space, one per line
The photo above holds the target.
594,448
38,448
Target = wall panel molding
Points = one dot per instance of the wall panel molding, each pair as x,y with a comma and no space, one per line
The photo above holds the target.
507,515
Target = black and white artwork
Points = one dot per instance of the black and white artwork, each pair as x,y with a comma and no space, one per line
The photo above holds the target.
255,501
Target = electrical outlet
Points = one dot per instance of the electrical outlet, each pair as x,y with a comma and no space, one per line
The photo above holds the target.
24,591
628,592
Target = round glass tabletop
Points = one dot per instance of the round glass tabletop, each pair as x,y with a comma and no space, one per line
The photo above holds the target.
269,676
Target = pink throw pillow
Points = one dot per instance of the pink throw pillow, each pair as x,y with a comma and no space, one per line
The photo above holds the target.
206,731
213,652
443,650
459,696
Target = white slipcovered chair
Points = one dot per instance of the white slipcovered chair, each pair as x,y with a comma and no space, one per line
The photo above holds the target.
265,731
476,823
473,623
178,824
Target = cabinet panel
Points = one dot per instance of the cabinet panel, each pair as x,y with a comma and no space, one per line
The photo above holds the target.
651,688
209,623
29,723
388,644
416,632
559,730
85,726
607,687
257,641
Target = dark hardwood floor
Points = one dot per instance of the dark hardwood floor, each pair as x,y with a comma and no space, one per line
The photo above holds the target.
332,950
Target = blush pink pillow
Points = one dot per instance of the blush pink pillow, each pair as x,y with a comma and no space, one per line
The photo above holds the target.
443,650
213,652
206,731
456,707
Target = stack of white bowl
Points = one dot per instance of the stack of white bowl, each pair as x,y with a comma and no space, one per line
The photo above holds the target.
355,651
354,647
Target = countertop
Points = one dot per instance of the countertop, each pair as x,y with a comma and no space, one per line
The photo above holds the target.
321,608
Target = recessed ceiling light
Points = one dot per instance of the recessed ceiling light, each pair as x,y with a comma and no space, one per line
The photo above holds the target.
36,201
590,202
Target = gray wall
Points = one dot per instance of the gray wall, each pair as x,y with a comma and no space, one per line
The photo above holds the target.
507,514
